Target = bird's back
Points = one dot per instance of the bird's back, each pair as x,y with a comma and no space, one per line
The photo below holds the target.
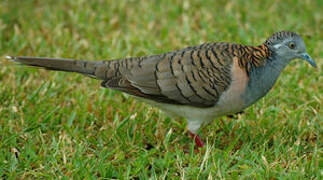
195,76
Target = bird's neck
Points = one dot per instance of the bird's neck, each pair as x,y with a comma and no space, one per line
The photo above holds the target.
253,56
263,78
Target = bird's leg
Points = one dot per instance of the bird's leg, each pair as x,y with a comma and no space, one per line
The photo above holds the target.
197,140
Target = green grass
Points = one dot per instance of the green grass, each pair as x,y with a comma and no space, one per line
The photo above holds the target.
64,125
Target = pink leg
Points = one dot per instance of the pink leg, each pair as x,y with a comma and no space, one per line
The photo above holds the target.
197,140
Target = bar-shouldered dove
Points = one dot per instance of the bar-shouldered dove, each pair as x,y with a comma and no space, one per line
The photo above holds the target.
198,83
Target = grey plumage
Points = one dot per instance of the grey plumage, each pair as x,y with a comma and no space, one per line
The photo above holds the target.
59,64
194,76
198,83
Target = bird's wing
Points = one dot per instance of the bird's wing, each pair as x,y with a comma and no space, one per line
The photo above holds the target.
194,76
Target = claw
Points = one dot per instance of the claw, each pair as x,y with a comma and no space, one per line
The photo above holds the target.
198,142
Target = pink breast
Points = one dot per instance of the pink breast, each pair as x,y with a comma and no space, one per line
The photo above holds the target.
231,100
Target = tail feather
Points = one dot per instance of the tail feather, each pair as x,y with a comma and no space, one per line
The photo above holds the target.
58,64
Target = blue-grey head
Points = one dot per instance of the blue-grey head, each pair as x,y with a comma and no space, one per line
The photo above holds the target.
288,46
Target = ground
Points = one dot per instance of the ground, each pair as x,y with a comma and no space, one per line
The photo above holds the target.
64,125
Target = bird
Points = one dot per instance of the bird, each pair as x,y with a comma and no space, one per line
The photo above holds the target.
199,83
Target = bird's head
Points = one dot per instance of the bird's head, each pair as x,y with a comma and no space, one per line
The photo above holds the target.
289,46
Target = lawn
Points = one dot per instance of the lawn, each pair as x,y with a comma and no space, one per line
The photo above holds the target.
64,125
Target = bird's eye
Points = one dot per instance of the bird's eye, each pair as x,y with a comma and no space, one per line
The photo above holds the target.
292,45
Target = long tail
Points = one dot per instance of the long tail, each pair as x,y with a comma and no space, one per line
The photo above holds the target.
84,67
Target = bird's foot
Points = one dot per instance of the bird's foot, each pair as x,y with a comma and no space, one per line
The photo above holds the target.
197,140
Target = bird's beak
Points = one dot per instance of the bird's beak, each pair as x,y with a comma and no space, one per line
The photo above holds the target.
308,58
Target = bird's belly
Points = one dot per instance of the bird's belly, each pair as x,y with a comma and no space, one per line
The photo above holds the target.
231,101
228,105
